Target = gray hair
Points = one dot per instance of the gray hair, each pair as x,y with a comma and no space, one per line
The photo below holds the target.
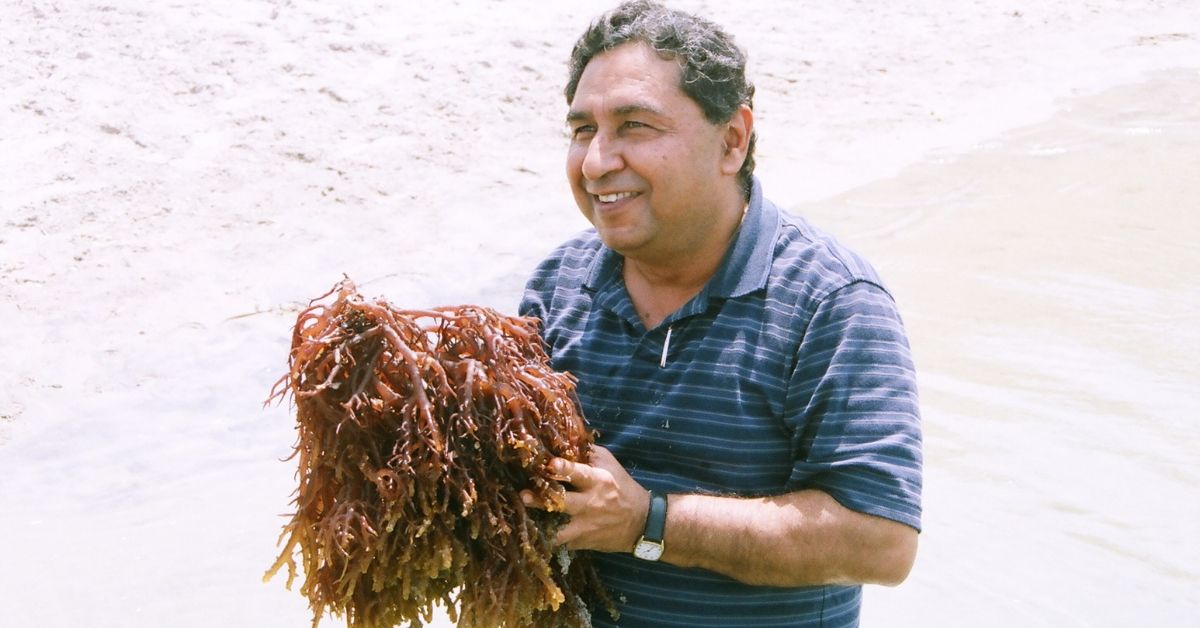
712,66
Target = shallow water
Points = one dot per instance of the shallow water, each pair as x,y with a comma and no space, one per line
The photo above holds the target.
1050,285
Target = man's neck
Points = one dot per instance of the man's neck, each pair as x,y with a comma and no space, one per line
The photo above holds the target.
659,287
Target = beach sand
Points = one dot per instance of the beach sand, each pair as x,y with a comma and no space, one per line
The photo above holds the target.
176,181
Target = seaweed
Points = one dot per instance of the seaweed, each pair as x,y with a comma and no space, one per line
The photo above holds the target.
417,432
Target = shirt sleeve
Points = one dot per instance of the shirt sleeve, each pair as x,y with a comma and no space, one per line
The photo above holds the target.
531,305
539,288
852,406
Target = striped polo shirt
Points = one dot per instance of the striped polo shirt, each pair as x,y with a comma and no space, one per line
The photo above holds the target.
789,370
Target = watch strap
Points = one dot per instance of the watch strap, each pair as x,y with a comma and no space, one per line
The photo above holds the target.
656,518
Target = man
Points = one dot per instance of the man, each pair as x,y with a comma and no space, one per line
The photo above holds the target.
748,377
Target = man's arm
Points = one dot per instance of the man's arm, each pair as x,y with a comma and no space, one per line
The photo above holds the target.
796,539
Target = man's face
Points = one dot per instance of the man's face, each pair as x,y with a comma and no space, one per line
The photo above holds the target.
644,163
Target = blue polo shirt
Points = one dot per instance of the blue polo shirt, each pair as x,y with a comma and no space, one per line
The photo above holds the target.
789,370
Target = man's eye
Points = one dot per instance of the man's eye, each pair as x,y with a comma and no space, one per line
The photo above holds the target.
583,130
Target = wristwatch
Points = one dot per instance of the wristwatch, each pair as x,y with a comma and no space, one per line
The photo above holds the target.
650,546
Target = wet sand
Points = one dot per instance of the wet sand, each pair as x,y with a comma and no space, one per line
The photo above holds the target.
1050,284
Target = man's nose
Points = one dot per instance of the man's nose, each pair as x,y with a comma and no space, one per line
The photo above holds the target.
603,156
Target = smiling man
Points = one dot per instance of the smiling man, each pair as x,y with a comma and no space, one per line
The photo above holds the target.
749,377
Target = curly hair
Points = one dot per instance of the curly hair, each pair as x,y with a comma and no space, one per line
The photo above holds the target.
713,67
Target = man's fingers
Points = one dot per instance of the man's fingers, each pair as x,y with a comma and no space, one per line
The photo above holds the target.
548,505
579,475
602,457
567,533
530,501
574,502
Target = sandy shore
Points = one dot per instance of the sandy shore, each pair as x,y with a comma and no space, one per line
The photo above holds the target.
175,180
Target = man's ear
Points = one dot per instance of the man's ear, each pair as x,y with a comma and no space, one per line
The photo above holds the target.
737,140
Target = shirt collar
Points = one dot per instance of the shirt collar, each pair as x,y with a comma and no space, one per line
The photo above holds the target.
746,266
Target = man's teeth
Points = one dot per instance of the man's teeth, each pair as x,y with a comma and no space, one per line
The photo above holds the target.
612,198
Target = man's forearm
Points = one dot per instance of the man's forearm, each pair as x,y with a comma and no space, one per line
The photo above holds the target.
796,539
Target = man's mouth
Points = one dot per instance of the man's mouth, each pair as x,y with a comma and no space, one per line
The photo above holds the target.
612,198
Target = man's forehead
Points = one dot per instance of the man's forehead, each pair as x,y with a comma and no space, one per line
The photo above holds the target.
627,80
629,65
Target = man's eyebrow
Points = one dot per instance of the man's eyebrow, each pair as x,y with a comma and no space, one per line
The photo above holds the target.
625,110
576,115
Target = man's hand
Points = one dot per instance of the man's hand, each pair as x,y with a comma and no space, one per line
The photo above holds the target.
607,506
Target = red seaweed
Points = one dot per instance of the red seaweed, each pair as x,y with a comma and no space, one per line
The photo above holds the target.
417,432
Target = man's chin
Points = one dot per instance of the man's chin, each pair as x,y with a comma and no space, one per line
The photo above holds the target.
619,240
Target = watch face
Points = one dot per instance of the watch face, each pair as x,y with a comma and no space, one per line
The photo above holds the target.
648,550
